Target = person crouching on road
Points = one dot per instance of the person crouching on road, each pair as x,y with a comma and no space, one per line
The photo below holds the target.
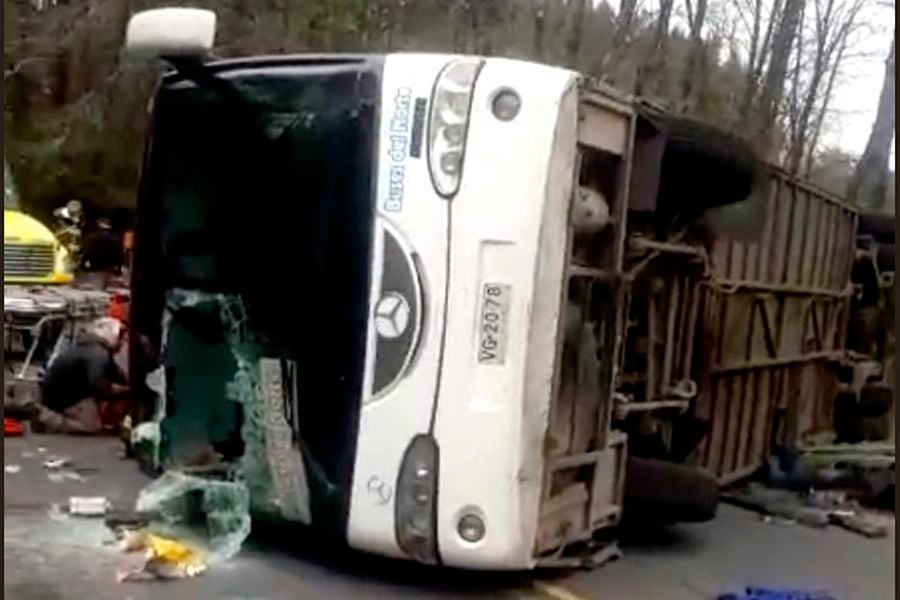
81,380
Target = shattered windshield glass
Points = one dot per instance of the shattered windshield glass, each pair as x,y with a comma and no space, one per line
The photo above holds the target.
255,252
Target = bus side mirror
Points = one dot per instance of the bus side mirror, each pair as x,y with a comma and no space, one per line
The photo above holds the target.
171,33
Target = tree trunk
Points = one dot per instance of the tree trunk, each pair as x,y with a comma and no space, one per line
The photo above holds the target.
870,181
759,54
823,110
485,17
621,36
696,55
773,86
459,16
573,43
625,22
652,76
797,104
540,27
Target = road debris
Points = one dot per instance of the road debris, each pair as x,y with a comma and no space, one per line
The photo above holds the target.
813,508
867,524
781,504
56,513
56,462
12,428
225,506
63,476
831,483
117,520
164,558
866,468
88,506
12,469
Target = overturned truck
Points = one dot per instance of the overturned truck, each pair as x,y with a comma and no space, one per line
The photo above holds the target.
446,308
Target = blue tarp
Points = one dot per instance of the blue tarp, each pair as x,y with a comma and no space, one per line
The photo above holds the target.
778,594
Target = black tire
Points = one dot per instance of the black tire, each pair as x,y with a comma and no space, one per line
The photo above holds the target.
670,491
697,152
875,400
847,423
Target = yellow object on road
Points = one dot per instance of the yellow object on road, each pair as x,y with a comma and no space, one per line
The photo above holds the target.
165,558
172,551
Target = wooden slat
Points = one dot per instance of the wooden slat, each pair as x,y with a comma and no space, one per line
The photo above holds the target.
718,420
736,261
751,261
808,237
799,234
768,235
602,129
746,423
775,268
825,280
730,439
822,245
607,489
763,397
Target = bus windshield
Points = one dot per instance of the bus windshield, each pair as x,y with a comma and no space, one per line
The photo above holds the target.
253,243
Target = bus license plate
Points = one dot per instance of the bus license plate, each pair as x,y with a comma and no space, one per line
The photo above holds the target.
492,328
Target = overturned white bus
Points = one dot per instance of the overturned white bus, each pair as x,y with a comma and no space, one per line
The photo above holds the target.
392,291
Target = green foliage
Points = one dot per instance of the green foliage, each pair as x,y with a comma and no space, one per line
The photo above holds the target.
76,113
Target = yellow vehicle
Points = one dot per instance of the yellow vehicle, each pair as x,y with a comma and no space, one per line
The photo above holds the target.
31,253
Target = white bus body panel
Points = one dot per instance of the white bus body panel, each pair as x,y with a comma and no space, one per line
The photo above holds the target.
508,225
516,185
389,422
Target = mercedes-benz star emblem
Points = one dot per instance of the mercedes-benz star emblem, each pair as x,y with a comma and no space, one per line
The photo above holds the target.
391,315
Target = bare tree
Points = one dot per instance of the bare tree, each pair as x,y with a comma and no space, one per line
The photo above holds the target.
624,28
823,109
484,16
791,114
694,72
573,43
540,27
68,101
761,16
870,180
833,21
773,85
627,12
652,73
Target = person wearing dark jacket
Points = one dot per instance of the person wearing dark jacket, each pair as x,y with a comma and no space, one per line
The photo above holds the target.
103,255
83,377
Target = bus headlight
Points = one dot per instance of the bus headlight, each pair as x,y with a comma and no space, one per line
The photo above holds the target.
506,104
471,527
415,509
451,103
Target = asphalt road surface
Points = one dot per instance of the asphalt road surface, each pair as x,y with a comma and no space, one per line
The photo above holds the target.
49,555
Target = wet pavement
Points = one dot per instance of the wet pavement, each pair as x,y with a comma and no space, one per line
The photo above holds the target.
50,555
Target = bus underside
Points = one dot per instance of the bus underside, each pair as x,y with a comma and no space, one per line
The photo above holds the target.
621,421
